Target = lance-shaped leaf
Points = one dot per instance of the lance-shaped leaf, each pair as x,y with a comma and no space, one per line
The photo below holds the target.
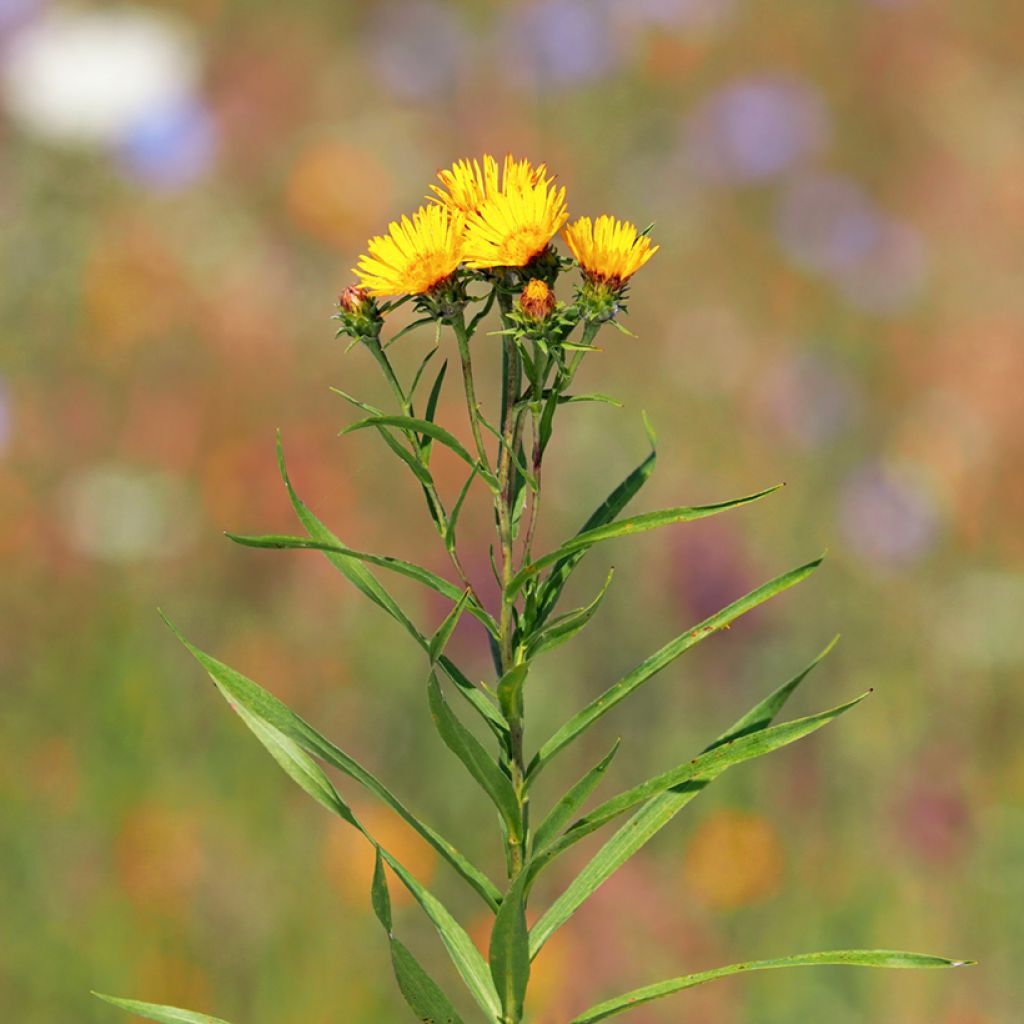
432,430
438,584
368,584
260,718
619,498
694,774
510,691
562,813
763,713
439,641
453,518
421,992
468,749
250,699
510,951
622,527
660,659
162,1014
661,806
431,410
840,958
566,626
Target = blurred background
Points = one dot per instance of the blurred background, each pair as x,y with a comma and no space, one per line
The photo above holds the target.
837,190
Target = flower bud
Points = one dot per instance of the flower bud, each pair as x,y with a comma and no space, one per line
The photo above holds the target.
537,300
353,299
358,313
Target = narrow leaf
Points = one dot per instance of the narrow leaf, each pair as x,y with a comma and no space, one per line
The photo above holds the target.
842,958
763,714
431,410
433,430
245,695
421,992
510,691
429,579
163,1014
562,813
658,810
566,626
510,951
699,771
622,527
619,498
368,584
453,519
467,748
439,641
663,657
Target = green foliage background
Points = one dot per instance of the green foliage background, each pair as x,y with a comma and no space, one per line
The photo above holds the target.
153,340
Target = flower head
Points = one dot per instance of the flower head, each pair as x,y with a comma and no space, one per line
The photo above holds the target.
609,251
512,226
537,300
467,184
415,255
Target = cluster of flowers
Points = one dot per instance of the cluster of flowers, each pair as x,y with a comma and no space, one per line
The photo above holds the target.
487,221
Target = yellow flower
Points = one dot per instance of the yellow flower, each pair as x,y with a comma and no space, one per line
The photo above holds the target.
512,226
415,255
609,250
468,184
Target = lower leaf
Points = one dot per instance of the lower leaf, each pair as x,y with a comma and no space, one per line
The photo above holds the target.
163,1014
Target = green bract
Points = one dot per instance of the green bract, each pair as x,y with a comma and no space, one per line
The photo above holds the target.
543,343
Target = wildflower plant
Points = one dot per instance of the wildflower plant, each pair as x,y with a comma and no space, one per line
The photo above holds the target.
483,243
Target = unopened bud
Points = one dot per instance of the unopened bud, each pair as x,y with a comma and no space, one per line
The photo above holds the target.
353,299
537,300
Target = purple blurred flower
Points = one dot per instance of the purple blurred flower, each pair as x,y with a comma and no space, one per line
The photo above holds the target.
891,275
170,147
415,48
16,13
671,13
558,42
827,223
808,398
755,129
887,515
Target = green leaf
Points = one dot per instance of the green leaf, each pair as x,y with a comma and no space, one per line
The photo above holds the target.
660,659
422,426
510,951
368,584
429,579
593,397
619,498
431,410
561,814
251,699
163,1014
421,992
665,797
843,957
635,524
510,691
467,748
453,519
763,714
696,773
439,641
566,626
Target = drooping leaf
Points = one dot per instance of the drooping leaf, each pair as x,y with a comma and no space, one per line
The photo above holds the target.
763,713
562,813
421,992
565,627
696,772
162,1014
433,430
467,748
660,659
844,958
619,498
634,524
510,951
247,696
510,691
658,810
438,584
368,584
